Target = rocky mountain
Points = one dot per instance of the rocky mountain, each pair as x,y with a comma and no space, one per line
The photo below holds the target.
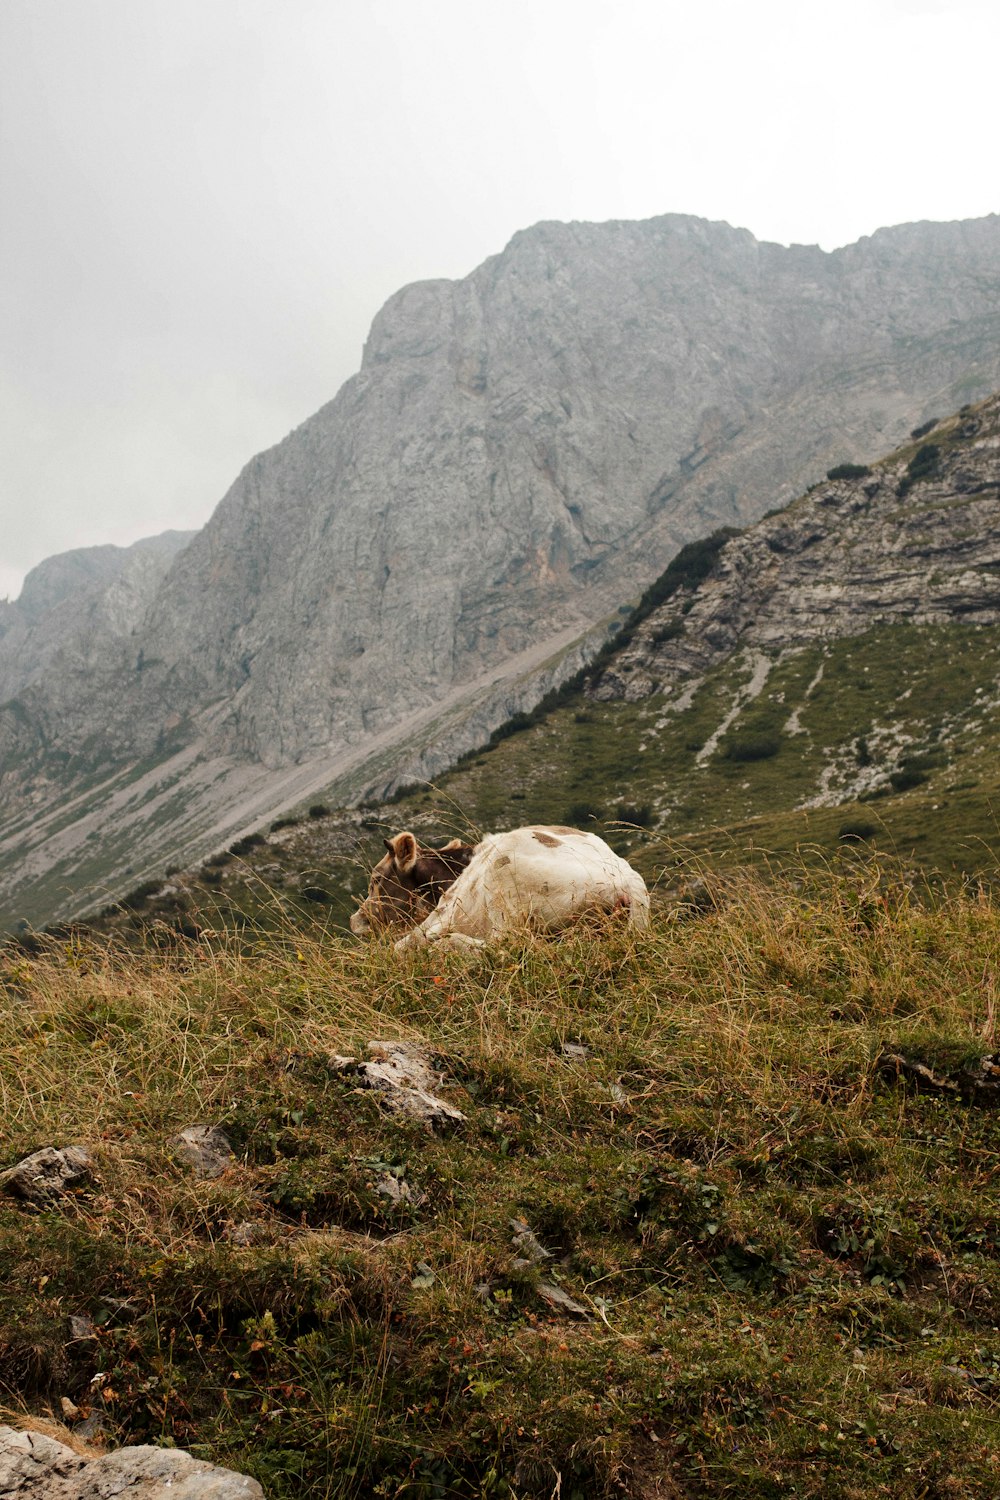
520,453
830,674
76,603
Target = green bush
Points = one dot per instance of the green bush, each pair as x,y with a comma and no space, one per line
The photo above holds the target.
923,465
848,471
244,845
924,428
584,812
906,778
746,747
858,828
319,810
642,816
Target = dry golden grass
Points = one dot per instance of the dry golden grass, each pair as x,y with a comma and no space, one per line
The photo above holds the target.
788,1259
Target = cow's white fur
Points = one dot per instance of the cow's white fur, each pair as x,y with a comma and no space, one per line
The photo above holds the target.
536,878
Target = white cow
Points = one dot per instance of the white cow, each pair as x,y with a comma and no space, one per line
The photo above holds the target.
535,878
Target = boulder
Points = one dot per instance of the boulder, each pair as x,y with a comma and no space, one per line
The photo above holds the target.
47,1175
36,1467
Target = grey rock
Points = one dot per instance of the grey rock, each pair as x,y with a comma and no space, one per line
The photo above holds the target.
398,1190
245,1234
206,1149
530,1250
560,1301
574,1052
38,1467
423,1276
401,1074
537,438
81,1327
47,1175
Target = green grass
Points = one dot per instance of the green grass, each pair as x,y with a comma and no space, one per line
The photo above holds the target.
790,1261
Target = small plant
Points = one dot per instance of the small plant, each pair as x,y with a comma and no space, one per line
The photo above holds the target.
280,823
243,846
906,778
923,465
848,471
319,810
138,898
581,813
857,829
668,632
642,816
748,747
924,428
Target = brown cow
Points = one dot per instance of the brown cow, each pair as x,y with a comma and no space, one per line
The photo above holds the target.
539,878
407,884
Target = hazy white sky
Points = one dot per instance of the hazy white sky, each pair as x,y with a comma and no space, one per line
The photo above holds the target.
203,203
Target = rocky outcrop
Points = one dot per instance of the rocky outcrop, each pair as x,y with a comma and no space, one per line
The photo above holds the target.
915,539
75,605
47,1175
38,1467
519,454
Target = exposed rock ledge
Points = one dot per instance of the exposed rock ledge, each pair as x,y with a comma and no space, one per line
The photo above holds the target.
36,1467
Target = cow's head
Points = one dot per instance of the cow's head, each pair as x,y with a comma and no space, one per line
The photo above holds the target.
408,883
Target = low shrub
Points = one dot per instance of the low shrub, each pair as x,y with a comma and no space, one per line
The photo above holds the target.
668,632
924,428
747,747
923,465
848,471
584,812
319,810
857,829
906,778
244,845
642,816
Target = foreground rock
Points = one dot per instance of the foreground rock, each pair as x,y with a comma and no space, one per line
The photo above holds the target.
37,1467
47,1175
204,1148
402,1076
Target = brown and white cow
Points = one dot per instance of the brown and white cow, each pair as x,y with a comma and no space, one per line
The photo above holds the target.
536,878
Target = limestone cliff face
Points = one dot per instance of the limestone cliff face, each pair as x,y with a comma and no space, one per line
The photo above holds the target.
76,605
520,453
917,539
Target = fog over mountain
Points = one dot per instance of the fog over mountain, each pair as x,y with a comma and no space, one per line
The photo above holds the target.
520,453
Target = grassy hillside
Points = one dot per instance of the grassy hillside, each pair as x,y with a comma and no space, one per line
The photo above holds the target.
783,1253
906,718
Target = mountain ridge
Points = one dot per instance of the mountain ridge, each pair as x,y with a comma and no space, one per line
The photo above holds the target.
519,454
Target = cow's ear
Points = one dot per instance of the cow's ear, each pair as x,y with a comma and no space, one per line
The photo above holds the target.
403,849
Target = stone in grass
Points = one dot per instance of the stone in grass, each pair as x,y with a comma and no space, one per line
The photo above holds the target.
530,1251
36,1467
47,1175
402,1076
560,1301
204,1148
398,1190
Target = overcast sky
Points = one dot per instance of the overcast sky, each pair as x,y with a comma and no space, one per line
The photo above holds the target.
203,203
